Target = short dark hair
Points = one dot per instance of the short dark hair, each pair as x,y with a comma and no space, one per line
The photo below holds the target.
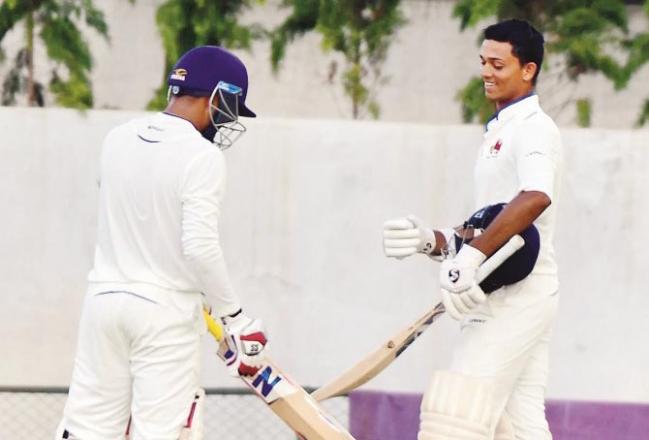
526,41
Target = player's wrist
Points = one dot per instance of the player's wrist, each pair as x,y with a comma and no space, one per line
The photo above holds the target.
470,256
428,241
235,314
445,244
236,321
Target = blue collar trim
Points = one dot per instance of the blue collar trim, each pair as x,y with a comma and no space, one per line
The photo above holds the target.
495,115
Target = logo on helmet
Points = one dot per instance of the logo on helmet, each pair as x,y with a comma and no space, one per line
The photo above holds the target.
179,74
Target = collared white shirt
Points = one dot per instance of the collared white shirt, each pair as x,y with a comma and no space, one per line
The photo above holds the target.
522,151
160,194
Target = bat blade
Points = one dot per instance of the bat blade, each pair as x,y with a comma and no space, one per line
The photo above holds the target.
377,361
288,400
304,415
294,405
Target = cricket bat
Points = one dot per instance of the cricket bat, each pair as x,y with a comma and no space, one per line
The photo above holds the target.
286,398
370,366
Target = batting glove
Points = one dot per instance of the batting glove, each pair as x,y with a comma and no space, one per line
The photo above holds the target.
245,351
459,304
457,278
459,274
405,236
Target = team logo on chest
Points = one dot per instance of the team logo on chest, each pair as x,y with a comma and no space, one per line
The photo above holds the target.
495,148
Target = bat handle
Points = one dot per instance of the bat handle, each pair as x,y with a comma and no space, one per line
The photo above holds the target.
499,257
212,326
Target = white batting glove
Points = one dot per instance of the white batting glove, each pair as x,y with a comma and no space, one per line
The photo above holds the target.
406,236
459,304
457,278
246,343
459,274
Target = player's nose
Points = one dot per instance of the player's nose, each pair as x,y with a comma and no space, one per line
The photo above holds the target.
485,72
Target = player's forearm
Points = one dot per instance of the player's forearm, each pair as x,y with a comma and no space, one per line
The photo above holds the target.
517,215
202,251
215,284
440,242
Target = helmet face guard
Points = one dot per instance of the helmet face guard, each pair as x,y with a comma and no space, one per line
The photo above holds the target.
225,114
516,267
214,72
225,126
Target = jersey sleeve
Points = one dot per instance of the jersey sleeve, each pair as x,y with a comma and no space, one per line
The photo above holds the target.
202,193
537,158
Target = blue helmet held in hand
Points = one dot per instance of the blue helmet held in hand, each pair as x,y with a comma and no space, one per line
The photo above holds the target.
516,267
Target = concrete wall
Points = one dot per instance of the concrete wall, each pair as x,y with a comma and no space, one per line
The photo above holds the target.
302,235
428,62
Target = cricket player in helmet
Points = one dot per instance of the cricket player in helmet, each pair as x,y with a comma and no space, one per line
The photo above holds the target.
496,382
158,261
191,76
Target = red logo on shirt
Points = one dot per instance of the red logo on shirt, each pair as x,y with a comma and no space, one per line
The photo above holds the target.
495,148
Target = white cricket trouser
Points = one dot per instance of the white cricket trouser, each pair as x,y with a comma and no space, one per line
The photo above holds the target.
506,340
138,355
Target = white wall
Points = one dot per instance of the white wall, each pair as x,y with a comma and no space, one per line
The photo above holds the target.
302,235
429,61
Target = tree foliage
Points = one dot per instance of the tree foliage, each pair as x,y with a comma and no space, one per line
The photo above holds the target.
360,30
57,24
184,24
582,34
638,57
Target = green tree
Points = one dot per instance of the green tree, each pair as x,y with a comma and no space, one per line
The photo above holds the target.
184,24
638,47
580,35
361,30
57,23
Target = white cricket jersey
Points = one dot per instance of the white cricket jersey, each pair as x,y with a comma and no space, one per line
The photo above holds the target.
161,187
522,152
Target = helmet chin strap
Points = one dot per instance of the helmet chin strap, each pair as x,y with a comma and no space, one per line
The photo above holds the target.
209,132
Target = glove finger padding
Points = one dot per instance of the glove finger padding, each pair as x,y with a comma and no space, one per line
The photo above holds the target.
399,223
404,237
399,252
469,298
401,243
400,239
449,305
416,221
400,233
459,304
476,295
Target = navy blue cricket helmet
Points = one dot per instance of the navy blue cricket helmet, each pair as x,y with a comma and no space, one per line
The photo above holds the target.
516,267
201,69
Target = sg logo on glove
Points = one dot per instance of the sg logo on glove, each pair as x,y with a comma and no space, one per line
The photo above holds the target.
454,275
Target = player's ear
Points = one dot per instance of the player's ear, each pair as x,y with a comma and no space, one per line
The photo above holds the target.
215,100
529,70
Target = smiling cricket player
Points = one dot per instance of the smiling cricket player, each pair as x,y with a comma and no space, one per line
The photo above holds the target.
495,385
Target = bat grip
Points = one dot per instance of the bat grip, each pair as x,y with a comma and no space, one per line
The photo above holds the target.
212,326
499,257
